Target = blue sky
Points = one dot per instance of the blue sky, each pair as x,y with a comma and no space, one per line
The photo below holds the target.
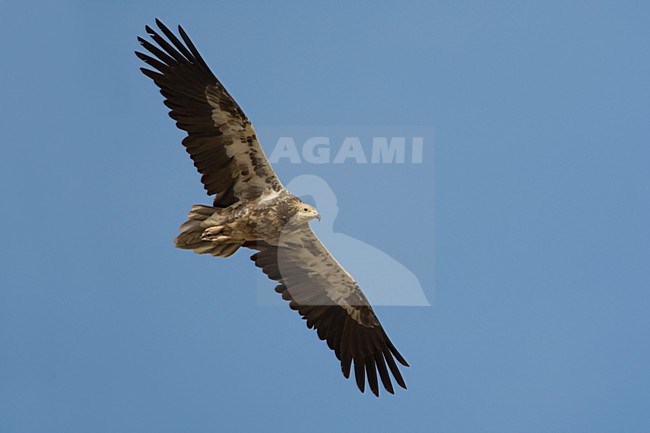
526,223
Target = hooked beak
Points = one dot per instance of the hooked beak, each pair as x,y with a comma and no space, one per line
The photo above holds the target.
318,216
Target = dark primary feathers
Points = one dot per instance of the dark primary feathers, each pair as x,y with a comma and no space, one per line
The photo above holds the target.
329,299
220,139
222,143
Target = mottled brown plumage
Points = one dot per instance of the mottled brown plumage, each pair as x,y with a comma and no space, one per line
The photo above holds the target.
252,209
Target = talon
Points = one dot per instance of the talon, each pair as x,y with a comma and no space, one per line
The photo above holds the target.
211,234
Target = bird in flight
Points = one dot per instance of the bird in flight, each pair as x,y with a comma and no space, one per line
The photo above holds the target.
251,209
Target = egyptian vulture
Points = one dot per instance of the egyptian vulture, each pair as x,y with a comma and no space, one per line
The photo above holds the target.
252,209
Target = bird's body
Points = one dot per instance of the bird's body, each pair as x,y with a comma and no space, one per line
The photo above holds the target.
251,209
218,231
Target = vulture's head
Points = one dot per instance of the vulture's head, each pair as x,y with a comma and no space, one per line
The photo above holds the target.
305,213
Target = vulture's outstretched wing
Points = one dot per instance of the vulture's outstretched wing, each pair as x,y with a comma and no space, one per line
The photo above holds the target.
329,299
220,138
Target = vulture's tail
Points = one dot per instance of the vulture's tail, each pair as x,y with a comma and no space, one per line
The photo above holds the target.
192,231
